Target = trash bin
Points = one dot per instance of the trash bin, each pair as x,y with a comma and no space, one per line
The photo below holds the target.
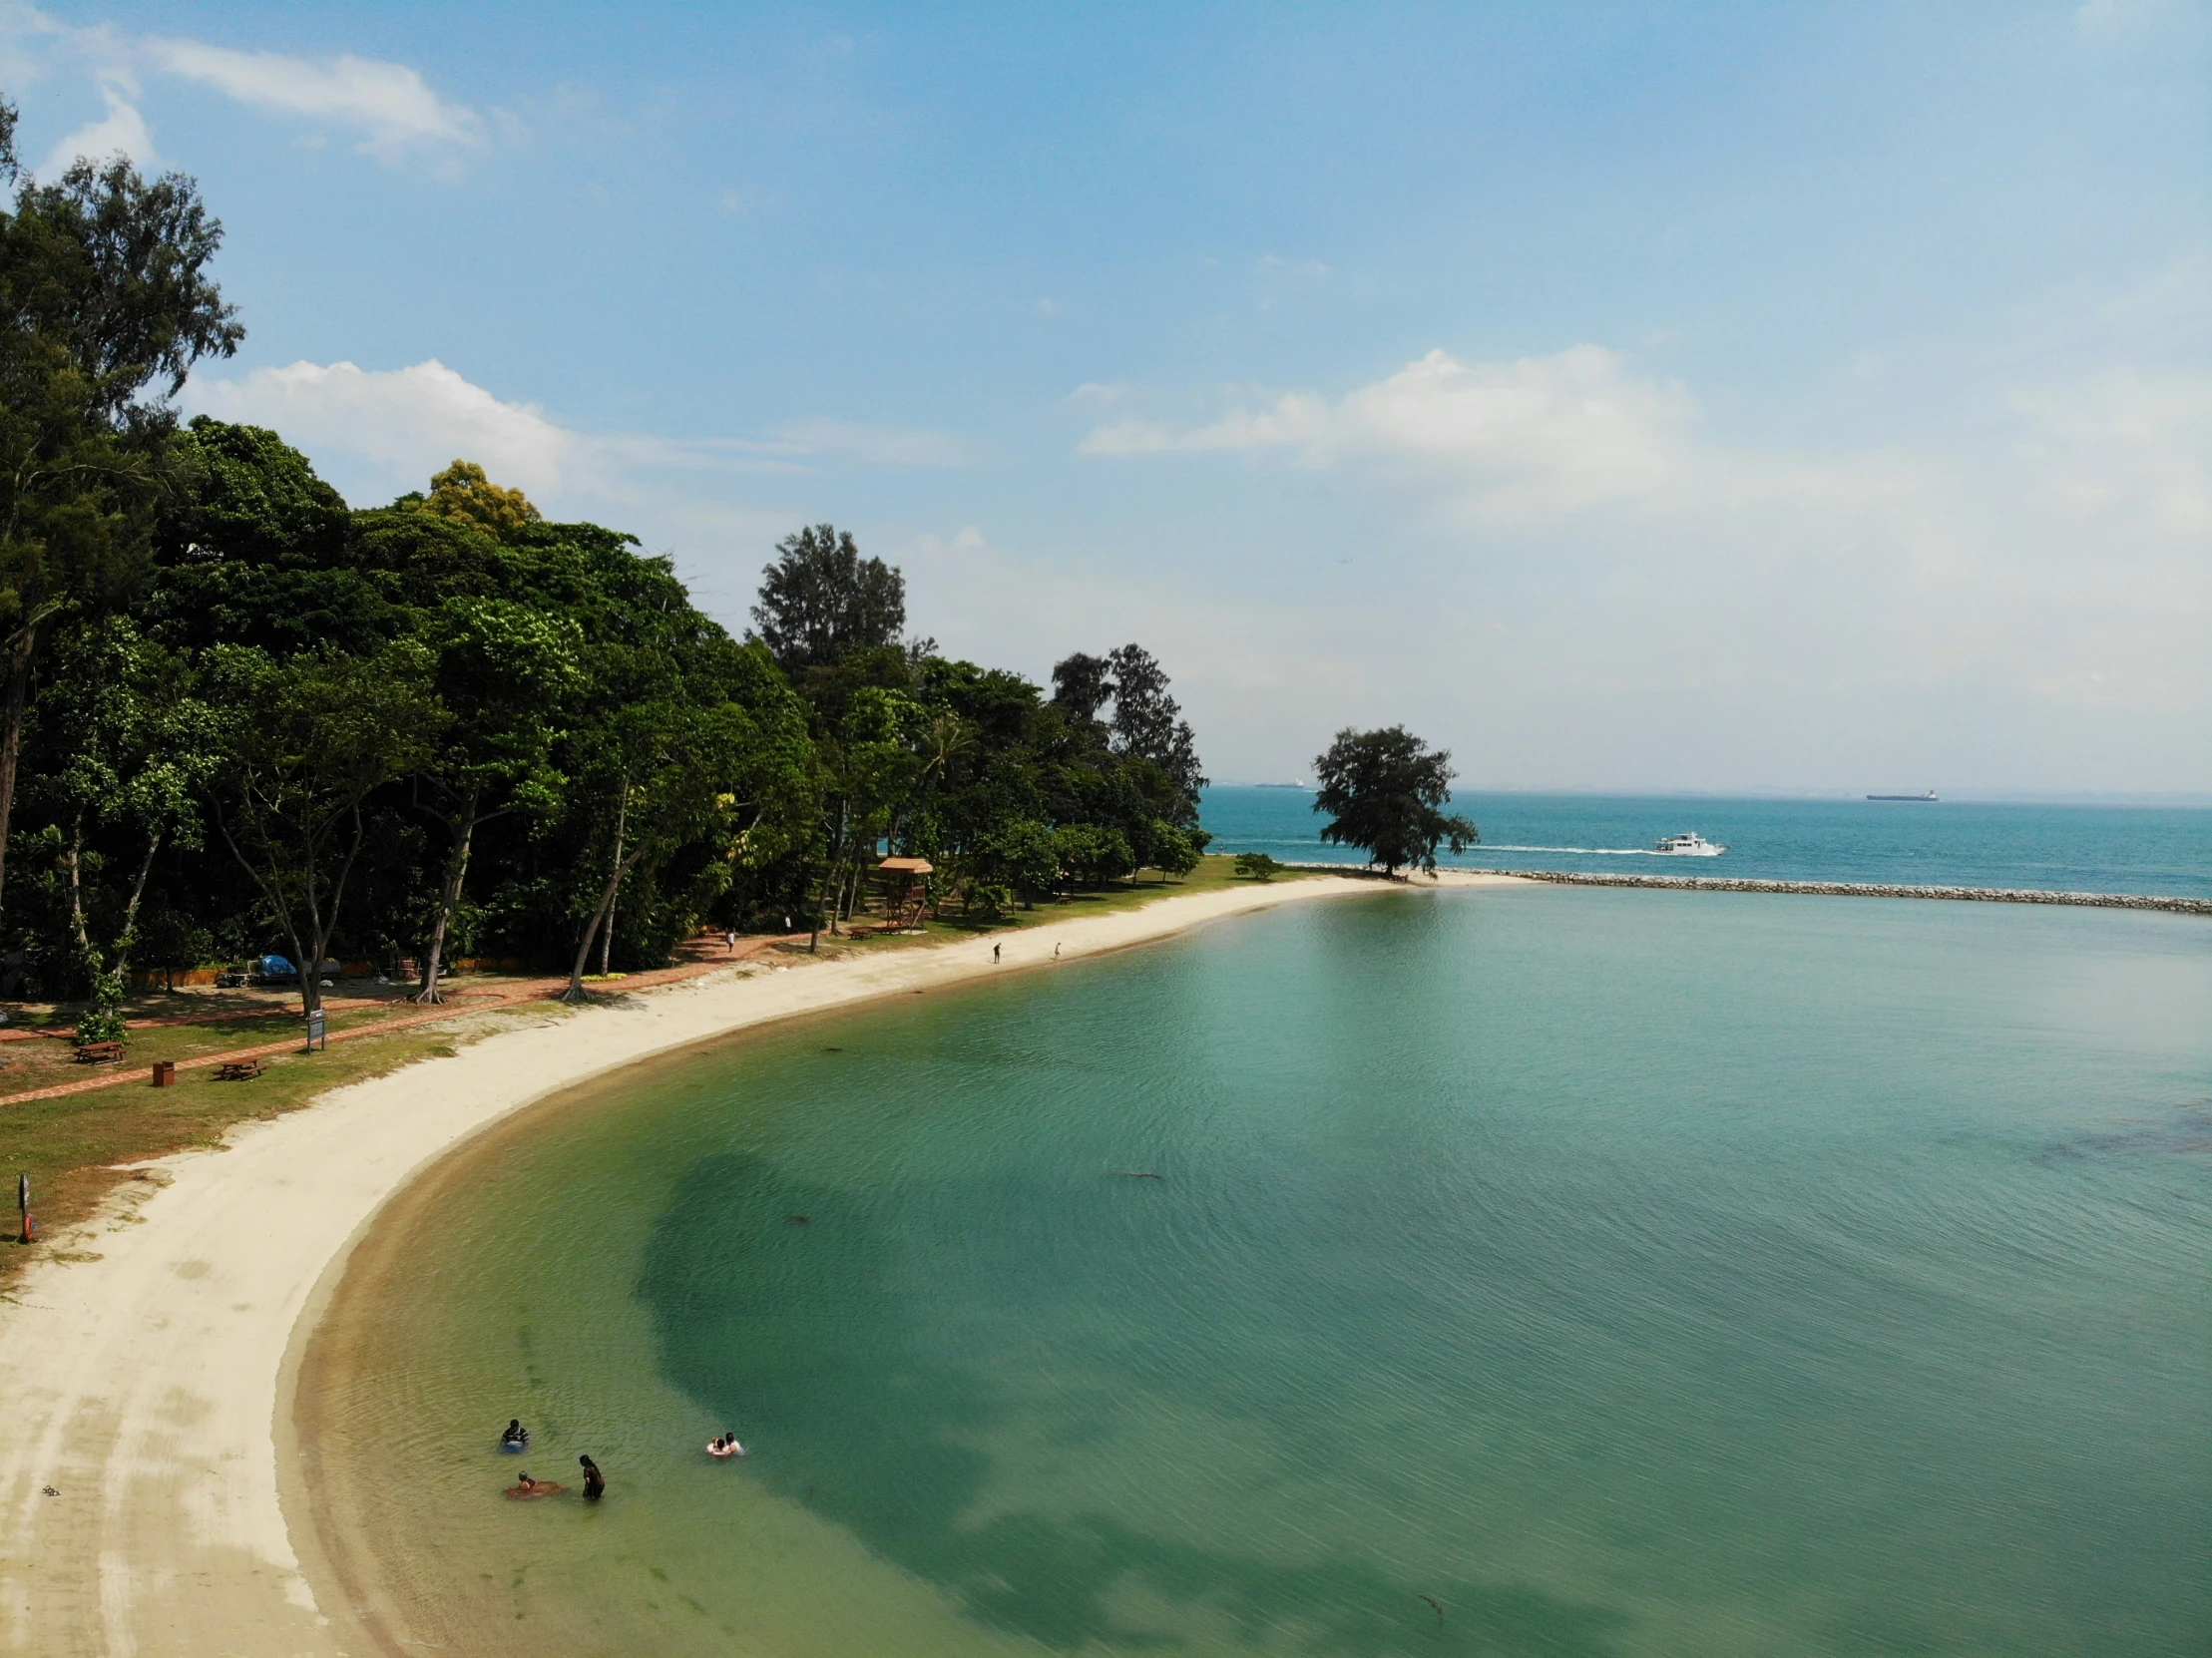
164,1074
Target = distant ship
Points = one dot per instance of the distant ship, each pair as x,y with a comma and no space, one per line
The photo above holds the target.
1689,846
1929,795
1279,785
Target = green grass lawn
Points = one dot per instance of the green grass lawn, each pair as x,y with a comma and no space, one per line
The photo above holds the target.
69,1145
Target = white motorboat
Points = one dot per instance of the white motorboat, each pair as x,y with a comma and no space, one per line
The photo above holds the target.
1689,846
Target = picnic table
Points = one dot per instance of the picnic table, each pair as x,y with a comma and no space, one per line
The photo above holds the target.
240,1070
98,1053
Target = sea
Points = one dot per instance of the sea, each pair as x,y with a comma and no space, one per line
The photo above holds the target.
1583,1272
2159,850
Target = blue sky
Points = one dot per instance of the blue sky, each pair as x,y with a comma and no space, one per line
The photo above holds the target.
1651,396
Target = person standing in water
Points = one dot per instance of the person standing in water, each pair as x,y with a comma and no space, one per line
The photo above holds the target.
516,1437
595,1483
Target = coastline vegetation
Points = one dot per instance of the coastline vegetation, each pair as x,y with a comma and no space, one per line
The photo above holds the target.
244,719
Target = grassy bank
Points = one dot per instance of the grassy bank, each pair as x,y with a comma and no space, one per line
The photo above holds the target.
71,1146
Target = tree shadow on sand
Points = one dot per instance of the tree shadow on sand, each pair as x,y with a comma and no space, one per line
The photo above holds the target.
773,1299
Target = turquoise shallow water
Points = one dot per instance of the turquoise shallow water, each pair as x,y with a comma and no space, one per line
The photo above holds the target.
1631,1273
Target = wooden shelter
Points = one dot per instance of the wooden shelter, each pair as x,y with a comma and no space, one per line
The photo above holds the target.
905,889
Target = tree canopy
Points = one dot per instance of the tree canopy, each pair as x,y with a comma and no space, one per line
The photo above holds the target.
252,719
1385,792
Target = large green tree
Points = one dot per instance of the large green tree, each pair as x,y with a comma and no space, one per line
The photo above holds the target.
821,600
304,742
105,305
506,674
1385,792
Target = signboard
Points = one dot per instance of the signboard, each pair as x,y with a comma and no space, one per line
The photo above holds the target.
315,1032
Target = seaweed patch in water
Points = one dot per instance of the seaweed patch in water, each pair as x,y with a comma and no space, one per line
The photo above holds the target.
2185,1129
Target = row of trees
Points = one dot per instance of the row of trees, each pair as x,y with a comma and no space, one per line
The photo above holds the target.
241,715
237,714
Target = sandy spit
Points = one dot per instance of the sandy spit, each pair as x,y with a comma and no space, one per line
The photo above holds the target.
145,1383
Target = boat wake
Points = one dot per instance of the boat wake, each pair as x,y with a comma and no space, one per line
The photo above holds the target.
1587,851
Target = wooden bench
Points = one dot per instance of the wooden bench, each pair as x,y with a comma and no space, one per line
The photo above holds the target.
98,1053
240,1070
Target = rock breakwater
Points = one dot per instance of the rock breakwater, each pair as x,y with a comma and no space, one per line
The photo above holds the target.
1864,889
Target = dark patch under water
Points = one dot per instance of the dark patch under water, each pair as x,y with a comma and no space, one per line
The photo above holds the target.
862,1428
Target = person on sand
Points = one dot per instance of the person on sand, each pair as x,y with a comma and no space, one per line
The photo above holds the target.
995,948
517,1437
595,1483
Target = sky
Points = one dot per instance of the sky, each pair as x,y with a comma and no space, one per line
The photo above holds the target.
1710,397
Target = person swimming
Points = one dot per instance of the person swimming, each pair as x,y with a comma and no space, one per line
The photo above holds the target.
595,1483
724,1445
527,1487
517,1437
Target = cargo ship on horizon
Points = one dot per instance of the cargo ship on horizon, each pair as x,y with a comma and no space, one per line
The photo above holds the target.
1929,795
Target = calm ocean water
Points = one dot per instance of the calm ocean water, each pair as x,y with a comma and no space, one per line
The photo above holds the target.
1625,1273
2127,849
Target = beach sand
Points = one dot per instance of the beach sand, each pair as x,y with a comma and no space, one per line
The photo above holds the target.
148,1479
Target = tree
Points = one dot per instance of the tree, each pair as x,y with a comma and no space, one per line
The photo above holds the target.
1020,855
1149,725
1170,851
1146,722
873,763
820,601
1256,866
503,672
462,492
304,742
674,763
104,292
1385,792
1091,852
131,752
1082,685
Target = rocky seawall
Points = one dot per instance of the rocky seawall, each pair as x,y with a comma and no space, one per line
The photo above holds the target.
1861,889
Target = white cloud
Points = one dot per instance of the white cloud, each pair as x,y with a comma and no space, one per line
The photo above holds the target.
378,432
388,102
122,132
1651,573
1522,439
406,422
389,105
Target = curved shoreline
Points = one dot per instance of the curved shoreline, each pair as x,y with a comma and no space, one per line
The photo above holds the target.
149,1383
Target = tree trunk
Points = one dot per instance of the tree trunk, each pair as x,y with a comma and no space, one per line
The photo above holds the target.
127,940
622,825
77,893
457,869
575,991
25,646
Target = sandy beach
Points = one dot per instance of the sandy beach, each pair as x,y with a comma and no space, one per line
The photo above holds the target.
147,1367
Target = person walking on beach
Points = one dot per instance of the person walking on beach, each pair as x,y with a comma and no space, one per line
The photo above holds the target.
995,948
595,1483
